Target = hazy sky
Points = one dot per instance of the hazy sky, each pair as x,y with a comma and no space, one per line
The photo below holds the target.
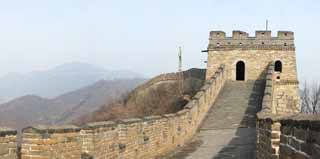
144,35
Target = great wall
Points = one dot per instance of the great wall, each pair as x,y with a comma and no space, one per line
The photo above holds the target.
248,108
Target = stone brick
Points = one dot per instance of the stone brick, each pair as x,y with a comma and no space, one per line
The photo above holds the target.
294,143
286,152
299,155
8,144
284,139
315,148
306,148
286,130
300,134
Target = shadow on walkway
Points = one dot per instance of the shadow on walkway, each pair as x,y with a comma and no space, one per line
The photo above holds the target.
243,144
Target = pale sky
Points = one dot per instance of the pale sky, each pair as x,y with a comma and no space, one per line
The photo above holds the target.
144,35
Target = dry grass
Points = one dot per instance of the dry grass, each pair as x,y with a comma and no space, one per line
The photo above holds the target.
161,97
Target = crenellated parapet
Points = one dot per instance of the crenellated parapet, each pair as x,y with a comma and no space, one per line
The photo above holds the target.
262,40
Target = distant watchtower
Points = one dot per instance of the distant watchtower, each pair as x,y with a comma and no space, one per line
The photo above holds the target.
247,58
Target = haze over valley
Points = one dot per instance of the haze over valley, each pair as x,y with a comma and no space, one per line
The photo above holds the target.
61,94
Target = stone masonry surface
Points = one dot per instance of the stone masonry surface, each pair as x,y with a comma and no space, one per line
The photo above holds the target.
289,137
280,128
256,52
300,137
8,146
268,131
51,142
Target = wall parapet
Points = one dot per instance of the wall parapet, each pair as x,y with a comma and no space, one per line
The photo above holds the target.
300,137
241,40
4,131
51,141
142,138
259,34
52,129
268,129
267,101
172,76
285,134
8,143
289,136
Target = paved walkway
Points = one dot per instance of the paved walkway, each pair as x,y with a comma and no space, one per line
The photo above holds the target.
229,129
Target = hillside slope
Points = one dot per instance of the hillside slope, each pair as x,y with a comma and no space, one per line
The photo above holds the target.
165,93
33,110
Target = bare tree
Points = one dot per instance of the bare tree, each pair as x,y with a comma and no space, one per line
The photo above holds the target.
310,98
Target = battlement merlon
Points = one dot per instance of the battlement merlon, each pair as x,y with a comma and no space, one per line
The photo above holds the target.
260,34
262,40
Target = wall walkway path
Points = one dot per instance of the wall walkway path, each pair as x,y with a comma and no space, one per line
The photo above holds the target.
229,129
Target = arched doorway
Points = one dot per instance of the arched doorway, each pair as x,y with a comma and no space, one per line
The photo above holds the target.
240,71
278,66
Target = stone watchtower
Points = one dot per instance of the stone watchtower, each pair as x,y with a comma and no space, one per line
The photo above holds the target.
247,58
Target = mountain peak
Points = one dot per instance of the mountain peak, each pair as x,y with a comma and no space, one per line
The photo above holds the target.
77,66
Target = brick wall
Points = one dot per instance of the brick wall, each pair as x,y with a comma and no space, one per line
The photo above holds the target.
300,137
44,142
268,130
279,102
8,144
256,62
288,137
286,97
282,132
136,138
268,138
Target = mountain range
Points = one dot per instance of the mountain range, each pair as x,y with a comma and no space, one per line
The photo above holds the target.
58,80
34,110
61,94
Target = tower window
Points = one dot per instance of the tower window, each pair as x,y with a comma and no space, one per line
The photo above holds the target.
285,34
240,43
278,66
262,43
285,44
218,44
